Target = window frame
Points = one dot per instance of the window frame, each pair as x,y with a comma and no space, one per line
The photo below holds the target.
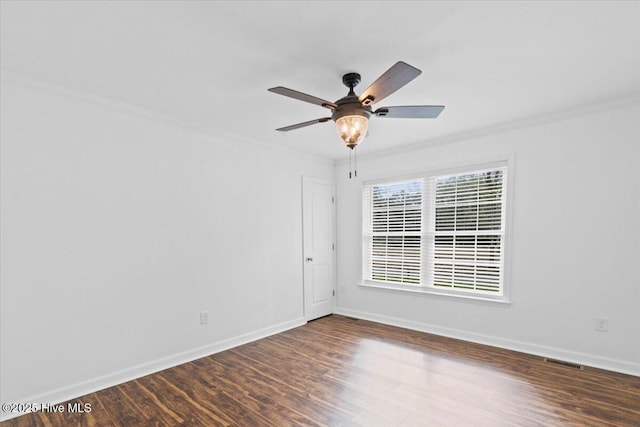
507,162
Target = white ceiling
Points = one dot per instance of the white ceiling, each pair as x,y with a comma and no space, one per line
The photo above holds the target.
211,62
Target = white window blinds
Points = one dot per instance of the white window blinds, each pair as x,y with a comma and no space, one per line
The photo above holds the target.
393,232
466,231
443,233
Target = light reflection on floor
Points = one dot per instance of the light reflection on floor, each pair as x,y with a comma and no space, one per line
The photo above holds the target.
404,386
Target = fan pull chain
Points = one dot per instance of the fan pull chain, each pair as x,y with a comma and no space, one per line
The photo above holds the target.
350,164
355,162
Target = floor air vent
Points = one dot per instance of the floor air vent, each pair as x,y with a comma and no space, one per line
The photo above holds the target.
564,363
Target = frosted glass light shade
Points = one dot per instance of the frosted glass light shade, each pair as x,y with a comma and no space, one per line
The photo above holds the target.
352,129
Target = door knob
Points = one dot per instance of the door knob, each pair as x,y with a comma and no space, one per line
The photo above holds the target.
309,259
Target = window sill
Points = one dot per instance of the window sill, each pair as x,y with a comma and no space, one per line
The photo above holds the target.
499,299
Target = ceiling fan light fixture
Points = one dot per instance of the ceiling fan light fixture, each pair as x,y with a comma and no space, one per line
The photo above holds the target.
352,129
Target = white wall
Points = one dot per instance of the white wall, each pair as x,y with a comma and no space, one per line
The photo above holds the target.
120,226
575,241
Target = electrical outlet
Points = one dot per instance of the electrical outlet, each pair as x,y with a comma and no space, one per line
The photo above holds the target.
602,325
204,317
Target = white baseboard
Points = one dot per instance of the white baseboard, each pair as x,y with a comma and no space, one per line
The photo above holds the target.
100,383
520,346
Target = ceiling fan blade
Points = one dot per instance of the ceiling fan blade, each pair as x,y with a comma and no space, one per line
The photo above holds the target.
410,112
302,97
304,124
393,79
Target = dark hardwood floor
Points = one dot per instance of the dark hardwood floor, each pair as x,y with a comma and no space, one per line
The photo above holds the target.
342,371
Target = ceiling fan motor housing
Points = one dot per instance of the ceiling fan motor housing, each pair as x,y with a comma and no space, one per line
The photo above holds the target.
350,105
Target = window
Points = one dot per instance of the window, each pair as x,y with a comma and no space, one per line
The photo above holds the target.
393,234
438,233
466,231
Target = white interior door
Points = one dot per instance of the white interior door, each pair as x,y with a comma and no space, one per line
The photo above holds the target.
318,217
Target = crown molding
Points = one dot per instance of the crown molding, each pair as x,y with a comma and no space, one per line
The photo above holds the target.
531,121
146,113
206,129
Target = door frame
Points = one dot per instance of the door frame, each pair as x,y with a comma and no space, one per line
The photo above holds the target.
305,181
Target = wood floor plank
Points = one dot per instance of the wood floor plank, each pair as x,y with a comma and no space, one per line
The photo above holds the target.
202,395
121,409
269,399
339,371
305,389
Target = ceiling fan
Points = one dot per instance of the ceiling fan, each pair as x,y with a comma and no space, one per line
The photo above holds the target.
351,113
